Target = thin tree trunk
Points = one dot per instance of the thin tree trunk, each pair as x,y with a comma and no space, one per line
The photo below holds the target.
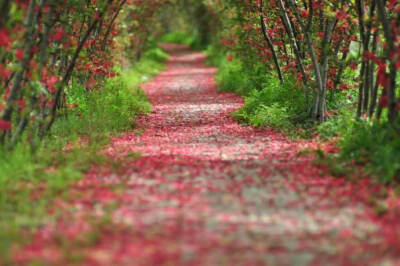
289,31
270,45
330,26
104,42
68,73
4,12
374,92
15,90
388,33
315,63
43,55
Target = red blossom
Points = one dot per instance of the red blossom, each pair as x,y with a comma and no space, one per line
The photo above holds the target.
5,125
383,101
59,34
21,103
19,54
5,39
304,13
4,72
50,82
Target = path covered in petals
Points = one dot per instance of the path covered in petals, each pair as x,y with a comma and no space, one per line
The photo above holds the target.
208,191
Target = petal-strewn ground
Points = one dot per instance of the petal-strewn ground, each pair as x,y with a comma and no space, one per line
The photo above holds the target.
208,191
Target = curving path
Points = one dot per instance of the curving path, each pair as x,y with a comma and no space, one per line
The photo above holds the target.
207,191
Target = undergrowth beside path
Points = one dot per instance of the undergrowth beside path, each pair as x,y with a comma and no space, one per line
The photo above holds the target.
364,142
190,186
31,182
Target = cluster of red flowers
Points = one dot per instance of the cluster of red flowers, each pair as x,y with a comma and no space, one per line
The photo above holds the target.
327,45
52,43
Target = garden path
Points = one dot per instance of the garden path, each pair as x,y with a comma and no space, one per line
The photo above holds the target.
207,191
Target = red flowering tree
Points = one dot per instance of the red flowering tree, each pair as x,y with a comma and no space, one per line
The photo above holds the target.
312,40
44,45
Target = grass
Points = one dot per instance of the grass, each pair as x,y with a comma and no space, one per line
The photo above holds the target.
112,108
369,143
375,145
29,182
179,38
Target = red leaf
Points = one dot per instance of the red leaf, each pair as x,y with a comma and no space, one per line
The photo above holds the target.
383,101
5,125
58,35
5,39
19,53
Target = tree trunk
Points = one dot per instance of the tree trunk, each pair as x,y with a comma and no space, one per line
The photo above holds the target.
270,45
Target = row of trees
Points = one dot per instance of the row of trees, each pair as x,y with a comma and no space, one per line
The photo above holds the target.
328,45
46,46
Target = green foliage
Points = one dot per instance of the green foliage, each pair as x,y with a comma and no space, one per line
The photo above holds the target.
274,116
236,76
216,56
337,124
108,110
151,62
29,182
267,101
179,38
232,77
375,145
114,107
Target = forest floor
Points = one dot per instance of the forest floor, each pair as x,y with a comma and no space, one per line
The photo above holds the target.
190,186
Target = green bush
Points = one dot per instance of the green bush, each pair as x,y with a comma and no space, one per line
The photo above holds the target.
236,76
274,106
179,38
231,77
112,108
29,182
108,110
337,125
215,56
375,145
274,116
267,101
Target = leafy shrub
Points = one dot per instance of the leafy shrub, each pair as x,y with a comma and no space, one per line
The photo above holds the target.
215,56
112,108
234,76
231,78
337,124
267,101
274,116
108,110
375,145
152,61
178,37
367,142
